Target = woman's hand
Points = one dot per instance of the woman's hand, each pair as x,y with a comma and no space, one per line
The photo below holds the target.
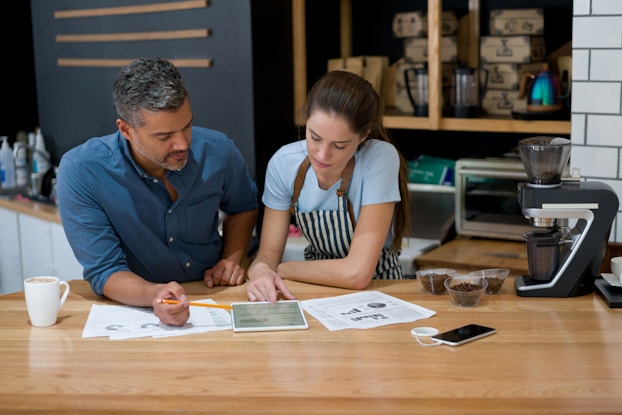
265,284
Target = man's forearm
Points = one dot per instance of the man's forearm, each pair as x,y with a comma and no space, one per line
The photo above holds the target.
128,288
237,231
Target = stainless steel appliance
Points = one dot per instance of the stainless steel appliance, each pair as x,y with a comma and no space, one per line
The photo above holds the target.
485,200
578,216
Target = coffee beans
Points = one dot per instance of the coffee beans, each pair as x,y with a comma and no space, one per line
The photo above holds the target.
494,276
465,291
494,284
432,280
433,283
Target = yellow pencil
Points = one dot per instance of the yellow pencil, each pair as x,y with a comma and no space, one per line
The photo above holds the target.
228,307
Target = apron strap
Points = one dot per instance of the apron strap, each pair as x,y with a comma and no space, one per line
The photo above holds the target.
300,178
346,176
345,184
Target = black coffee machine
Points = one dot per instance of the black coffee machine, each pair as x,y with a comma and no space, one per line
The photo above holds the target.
564,259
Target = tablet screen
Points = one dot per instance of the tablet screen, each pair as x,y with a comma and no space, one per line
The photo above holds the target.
263,316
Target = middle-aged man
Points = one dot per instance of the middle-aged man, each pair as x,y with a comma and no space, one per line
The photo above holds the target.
141,206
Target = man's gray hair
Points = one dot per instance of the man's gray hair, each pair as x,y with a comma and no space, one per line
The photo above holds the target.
152,84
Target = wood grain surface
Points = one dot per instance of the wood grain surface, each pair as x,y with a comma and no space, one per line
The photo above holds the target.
471,254
549,356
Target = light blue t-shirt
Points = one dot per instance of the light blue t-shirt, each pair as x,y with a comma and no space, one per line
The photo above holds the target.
375,180
117,217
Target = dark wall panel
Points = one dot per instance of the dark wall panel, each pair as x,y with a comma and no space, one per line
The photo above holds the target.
75,102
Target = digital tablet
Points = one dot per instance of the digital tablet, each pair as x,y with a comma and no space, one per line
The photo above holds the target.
263,316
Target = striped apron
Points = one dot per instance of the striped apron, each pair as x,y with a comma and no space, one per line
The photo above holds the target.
329,232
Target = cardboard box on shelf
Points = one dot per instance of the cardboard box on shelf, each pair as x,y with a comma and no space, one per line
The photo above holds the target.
409,24
449,24
500,102
371,68
416,49
517,22
512,49
507,76
415,24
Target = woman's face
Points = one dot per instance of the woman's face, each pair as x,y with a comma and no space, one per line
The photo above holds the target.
330,144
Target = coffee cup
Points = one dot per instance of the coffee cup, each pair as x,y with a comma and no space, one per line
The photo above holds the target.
44,300
616,267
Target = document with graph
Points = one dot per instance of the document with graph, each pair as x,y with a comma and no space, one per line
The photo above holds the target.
363,310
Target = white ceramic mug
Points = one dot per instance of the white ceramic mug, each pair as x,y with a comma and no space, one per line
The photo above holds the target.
43,299
616,267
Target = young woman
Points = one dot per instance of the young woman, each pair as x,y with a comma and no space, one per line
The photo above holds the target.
345,185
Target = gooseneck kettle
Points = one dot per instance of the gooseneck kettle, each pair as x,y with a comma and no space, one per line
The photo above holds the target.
543,90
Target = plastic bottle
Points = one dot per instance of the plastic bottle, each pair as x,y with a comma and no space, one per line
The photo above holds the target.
41,156
31,139
7,164
21,163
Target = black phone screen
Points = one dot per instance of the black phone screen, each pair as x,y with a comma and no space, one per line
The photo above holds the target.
464,334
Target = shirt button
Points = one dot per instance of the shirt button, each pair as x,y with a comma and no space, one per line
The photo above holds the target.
171,239
170,211
155,180
187,264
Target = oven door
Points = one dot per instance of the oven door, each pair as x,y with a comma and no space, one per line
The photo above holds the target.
487,198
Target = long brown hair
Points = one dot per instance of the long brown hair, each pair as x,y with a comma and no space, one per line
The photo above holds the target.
354,99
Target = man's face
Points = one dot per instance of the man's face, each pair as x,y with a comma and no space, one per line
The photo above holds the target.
162,142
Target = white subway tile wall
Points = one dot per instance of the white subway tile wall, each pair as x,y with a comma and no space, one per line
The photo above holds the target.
605,64
596,162
581,7
606,7
596,131
600,128
577,132
597,32
596,97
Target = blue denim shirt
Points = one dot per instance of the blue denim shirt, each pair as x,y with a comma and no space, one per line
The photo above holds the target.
117,217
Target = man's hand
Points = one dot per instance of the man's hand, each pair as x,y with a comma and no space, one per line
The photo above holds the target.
225,272
172,314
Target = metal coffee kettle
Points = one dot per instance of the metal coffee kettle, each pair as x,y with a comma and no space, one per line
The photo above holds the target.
543,90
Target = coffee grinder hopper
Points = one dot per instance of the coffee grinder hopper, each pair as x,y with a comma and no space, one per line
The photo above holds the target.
578,213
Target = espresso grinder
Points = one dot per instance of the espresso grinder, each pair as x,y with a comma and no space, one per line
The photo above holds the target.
572,220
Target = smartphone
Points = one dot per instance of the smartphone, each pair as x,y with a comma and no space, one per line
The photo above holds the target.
464,334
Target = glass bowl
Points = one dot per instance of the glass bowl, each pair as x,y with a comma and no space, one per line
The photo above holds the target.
494,276
465,290
432,279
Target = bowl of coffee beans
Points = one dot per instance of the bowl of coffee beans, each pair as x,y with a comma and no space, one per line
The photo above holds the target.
432,280
465,290
495,277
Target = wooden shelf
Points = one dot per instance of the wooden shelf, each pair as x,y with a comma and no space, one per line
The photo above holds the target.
435,121
494,125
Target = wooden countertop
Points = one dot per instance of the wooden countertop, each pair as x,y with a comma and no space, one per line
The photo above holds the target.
549,356
37,209
470,254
